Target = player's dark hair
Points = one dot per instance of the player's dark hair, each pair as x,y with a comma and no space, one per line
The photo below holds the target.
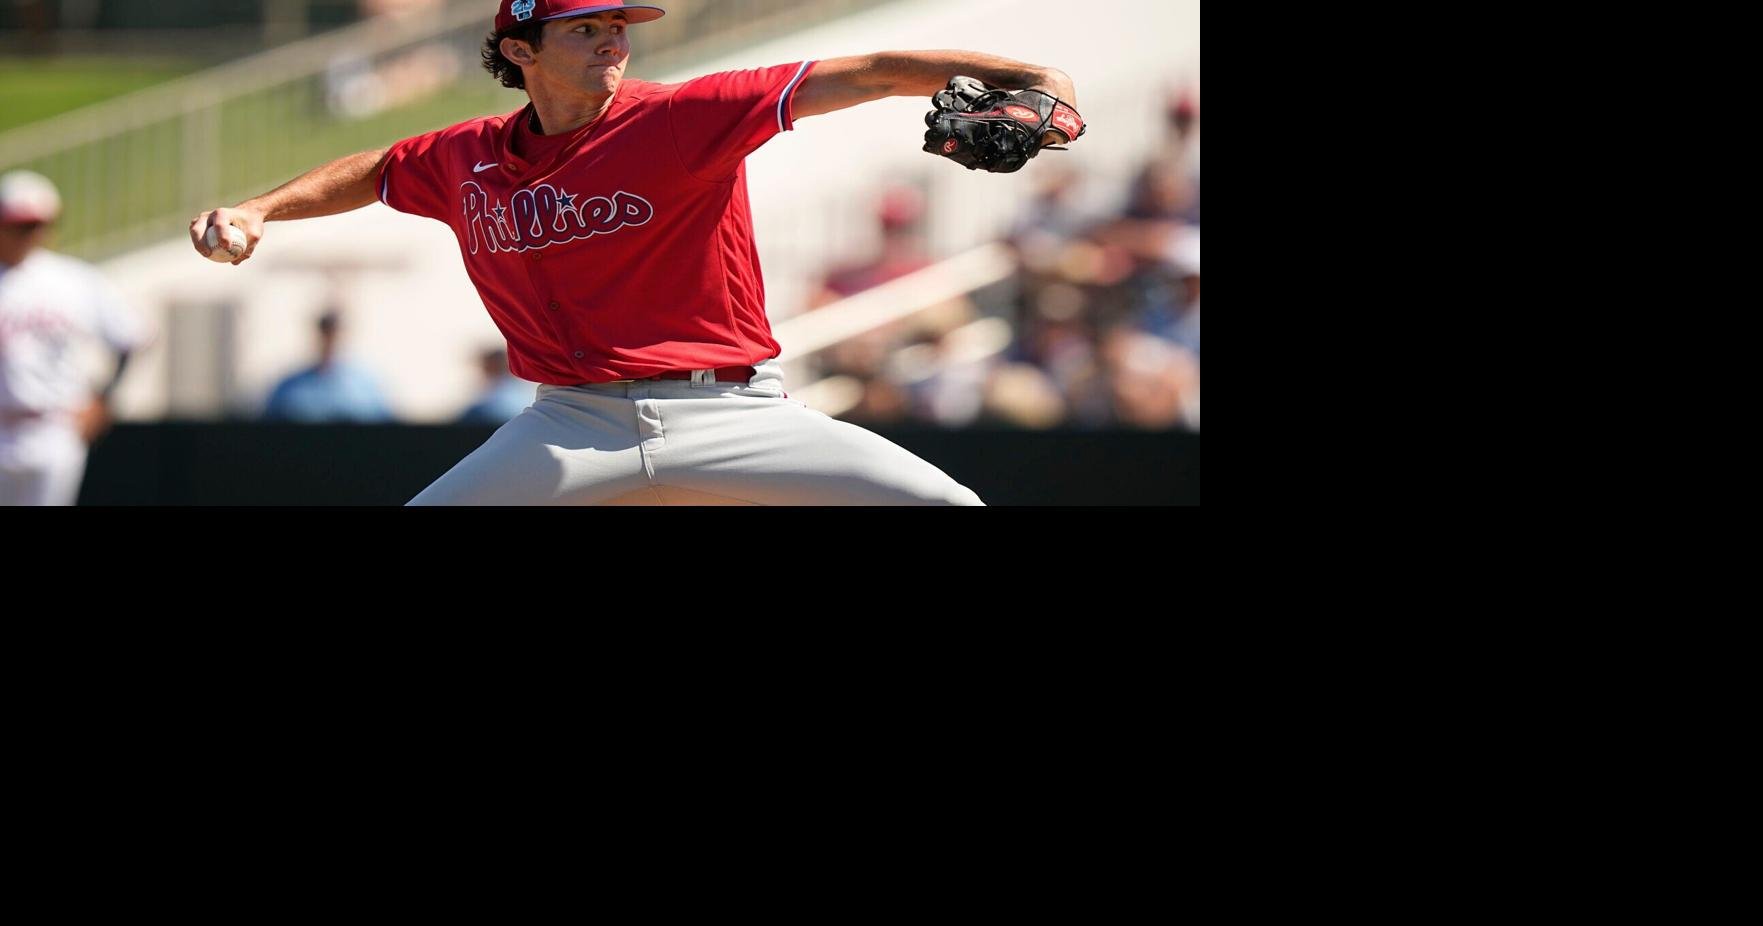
498,65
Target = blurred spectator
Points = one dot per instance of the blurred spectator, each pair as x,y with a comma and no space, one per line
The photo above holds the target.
1178,319
1058,208
1055,216
330,390
951,392
1162,193
864,360
1184,112
1151,382
899,215
502,396
1056,339
882,401
1024,396
1182,147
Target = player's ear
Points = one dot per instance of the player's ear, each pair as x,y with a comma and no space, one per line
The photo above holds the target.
517,51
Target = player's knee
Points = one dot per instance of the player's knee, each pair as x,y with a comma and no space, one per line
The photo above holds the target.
958,494
966,496
931,486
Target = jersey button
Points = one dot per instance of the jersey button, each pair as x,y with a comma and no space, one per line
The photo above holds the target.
554,307
579,355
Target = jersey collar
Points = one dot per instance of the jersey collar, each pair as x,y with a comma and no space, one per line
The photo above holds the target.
515,164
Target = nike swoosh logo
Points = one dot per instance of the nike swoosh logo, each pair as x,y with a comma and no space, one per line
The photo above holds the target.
483,167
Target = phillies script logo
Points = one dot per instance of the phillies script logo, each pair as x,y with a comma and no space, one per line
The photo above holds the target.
544,216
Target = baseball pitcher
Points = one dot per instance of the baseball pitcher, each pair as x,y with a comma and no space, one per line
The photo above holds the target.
606,227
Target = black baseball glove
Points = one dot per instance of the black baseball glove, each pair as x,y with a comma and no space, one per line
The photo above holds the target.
995,130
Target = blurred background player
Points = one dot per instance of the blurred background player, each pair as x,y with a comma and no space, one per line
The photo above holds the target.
53,311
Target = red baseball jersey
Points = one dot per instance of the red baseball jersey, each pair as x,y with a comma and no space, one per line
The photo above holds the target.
620,250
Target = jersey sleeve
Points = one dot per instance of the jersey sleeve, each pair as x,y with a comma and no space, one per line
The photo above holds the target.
116,322
718,119
408,177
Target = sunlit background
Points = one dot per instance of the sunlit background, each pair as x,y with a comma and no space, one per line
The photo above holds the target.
911,296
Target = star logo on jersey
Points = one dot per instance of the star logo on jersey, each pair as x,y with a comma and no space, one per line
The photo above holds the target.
543,216
522,9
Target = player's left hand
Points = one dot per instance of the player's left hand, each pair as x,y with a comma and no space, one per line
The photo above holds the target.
93,420
982,128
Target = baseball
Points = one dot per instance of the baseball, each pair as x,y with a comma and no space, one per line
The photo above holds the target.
235,243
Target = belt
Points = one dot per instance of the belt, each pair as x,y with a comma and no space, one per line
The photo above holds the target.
725,374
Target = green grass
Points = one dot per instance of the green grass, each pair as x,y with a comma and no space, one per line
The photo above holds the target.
33,89
129,189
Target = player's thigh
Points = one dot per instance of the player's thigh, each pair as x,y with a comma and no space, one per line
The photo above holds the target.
22,485
61,483
550,454
779,452
44,469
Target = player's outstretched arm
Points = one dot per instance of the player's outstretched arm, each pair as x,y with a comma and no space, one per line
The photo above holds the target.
840,83
341,185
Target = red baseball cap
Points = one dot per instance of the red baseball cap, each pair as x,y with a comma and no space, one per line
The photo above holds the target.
512,13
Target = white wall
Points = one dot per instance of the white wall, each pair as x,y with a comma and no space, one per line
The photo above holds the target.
414,317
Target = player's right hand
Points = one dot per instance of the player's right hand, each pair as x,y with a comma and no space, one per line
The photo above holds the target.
249,221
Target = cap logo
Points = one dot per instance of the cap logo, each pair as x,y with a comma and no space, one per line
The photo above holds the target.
522,9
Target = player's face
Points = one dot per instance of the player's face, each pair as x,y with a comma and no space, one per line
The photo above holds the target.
18,239
587,53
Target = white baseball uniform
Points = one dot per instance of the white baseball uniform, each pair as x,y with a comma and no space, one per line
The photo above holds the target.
52,309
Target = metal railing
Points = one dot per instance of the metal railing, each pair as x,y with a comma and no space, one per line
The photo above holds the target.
134,169
806,335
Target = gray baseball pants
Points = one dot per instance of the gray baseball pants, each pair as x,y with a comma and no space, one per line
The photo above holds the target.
678,442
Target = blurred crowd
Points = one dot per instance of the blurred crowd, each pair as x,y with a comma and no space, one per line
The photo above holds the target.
1100,328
